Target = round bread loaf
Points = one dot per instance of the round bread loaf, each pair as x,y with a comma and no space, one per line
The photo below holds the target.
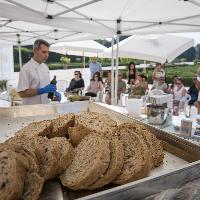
92,157
137,158
115,165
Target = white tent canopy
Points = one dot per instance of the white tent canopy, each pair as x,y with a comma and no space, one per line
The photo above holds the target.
95,17
104,18
78,48
88,48
157,48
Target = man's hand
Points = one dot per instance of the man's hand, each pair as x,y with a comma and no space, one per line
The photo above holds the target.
58,96
48,88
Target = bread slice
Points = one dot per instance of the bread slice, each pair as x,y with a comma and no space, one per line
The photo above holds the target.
76,134
154,145
11,175
86,123
47,155
61,125
65,151
32,186
115,165
92,157
42,128
137,163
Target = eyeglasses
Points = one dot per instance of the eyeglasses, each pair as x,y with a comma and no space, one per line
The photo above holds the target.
194,79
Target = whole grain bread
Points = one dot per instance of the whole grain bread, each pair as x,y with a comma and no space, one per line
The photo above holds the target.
42,128
65,151
12,176
137,158
115,165
47,155
88,122
154,145
92,157
61,125
32,186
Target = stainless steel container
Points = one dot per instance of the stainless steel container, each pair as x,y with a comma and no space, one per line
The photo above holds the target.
157,114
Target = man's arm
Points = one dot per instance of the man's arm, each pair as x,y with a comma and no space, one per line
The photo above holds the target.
33,92
28,93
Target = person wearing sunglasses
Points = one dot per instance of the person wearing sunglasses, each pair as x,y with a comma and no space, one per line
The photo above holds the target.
160,85
95,86
76,85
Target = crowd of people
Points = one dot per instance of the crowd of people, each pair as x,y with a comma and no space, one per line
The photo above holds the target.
136,85
34,82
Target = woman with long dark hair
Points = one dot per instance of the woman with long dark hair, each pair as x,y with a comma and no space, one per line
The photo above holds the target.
131,72
76,84
95,86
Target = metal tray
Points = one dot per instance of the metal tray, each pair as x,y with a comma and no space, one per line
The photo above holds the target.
180,165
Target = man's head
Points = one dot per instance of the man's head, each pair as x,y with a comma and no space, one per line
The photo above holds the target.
94,59
40,50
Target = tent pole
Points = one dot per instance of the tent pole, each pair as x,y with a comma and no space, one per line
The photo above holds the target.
19,51
117,60
83,59
20,56
112,73
116,71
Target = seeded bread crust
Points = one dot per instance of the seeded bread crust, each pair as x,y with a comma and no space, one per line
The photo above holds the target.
42,128
115,165
137,158
61,125
92,157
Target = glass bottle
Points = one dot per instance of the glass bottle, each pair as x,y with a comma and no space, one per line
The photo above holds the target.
51,94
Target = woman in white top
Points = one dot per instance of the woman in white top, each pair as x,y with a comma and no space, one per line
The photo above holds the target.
95,86
180,94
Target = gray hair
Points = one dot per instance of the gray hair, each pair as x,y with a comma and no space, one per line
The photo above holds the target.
39,42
